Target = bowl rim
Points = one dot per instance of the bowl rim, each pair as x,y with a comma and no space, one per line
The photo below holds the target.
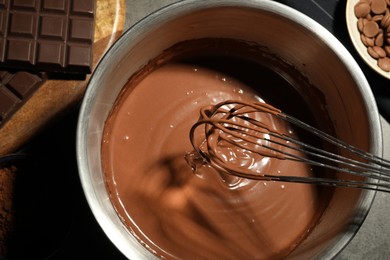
178,9
354,34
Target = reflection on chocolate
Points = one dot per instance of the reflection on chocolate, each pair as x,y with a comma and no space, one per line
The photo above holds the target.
176,213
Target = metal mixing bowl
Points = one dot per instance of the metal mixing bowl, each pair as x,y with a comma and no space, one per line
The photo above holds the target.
295,38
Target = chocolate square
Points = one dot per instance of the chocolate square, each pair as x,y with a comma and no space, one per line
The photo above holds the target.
47,35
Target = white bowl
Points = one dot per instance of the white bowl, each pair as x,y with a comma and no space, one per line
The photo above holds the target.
354,34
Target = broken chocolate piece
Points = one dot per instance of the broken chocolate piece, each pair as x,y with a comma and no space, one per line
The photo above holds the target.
15,90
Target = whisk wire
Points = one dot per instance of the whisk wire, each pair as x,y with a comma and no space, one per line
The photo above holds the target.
232,122
373,158
234,129
351,165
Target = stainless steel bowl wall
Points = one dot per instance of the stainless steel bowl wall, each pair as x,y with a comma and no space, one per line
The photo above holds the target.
295,38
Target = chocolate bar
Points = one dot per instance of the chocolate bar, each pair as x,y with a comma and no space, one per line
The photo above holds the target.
15,90
47,35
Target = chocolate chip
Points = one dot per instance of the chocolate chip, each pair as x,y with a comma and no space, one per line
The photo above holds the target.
384,63
379,39
362,9
367,41
377,18
387,50
385,23
371,29
378,6
374,26
360,24
376,52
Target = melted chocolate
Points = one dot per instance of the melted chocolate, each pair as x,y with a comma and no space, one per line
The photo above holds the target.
178,214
